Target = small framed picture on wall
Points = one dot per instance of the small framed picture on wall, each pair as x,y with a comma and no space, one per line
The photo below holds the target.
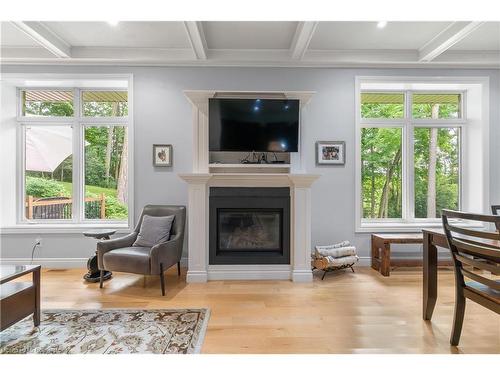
162,155
330,153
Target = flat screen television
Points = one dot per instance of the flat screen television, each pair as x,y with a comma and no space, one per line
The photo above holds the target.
263,125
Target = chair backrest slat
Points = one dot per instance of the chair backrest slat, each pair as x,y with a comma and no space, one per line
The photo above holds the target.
475,250
482,246
450,214
480,279
495,210
473,232
490,244
494,269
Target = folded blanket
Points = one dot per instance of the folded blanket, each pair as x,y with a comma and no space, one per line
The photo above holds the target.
335,246
325,251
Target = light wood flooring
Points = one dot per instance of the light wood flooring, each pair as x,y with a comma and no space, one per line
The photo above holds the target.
347,312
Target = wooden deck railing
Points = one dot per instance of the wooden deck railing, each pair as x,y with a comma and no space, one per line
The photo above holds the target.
60,208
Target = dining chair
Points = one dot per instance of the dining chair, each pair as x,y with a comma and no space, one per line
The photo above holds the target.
479,249
495,210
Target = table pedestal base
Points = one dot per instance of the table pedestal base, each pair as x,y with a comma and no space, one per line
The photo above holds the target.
94,275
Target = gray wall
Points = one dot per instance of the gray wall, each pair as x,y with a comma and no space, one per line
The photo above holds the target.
163,115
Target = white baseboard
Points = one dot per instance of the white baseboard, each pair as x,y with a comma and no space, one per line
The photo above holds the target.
225,273
364,261
196,277
303,276
249,272
49,262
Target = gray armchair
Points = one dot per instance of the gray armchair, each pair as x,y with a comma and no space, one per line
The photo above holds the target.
118,254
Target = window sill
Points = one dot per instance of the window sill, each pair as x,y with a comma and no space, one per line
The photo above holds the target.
62,228
395,227
392,227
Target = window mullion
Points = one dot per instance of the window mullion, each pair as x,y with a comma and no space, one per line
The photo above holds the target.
410,172
77,156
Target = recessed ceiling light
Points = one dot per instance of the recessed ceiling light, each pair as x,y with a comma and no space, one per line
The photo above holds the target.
113,23
381,24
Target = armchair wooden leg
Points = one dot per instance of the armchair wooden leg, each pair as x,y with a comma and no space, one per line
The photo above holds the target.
101,278
178,268
458,318
162,280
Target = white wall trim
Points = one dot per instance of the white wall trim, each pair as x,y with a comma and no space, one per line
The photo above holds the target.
57,263
249,272
118,56
260,272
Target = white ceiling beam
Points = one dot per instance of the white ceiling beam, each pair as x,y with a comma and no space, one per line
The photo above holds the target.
45,37
118,54
197,38
302,38
446,39
377,56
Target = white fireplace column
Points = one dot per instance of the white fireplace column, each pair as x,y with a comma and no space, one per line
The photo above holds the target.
197,215
301,223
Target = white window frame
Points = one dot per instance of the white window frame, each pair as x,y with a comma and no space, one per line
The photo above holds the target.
408,223
78,122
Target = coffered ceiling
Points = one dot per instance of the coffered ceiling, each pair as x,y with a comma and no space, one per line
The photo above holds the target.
214,43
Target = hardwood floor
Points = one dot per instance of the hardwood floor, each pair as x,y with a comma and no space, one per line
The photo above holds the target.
347,312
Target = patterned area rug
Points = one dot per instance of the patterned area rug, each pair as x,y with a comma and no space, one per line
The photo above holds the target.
108,332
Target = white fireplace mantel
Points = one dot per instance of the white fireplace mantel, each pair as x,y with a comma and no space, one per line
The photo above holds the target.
200,181
199,270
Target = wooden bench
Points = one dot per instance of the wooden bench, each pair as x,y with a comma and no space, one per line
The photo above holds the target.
381,252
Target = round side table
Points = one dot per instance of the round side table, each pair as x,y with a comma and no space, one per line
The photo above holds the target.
93,274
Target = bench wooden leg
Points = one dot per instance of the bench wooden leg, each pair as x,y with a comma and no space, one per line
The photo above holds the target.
385,263
374,263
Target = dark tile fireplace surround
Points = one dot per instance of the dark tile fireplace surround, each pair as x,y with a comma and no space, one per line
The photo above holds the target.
249,225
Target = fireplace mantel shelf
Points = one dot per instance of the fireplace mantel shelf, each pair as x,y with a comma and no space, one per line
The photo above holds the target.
251,179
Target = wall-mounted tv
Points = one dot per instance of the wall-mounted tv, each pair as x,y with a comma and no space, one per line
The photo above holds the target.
263,125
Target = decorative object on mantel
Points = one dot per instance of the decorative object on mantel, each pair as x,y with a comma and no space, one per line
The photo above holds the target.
162,155
176,331
330,153
334,257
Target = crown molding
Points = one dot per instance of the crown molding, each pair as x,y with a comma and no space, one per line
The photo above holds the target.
251,58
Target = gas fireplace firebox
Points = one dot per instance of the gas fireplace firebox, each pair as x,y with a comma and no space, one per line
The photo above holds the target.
249,225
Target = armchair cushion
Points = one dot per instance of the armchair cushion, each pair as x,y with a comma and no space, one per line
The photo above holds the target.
107,245
128,259
154,230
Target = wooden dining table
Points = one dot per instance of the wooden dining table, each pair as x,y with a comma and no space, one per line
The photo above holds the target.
433,238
